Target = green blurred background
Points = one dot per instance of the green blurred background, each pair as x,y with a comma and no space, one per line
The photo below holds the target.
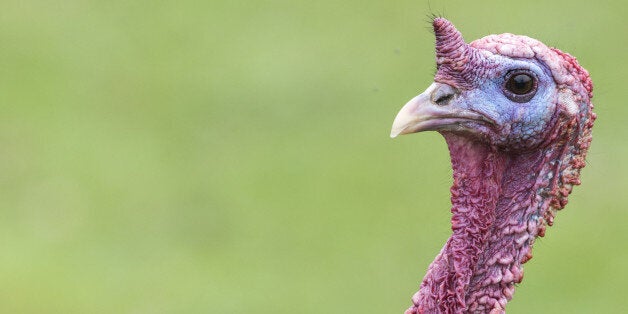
233,156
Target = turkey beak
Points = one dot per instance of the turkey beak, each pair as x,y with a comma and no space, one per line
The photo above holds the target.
423,112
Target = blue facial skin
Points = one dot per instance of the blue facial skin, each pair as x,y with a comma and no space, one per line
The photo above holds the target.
518,125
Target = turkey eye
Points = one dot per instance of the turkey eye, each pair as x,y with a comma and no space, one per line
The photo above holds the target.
520,87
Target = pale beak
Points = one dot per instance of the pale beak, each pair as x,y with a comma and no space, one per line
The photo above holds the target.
413,113
432,110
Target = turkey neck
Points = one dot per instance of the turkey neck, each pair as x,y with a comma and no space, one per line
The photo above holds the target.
498,201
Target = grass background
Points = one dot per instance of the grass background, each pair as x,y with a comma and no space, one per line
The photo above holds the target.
233,156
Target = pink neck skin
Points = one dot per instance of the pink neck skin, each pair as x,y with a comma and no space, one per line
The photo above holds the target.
500,204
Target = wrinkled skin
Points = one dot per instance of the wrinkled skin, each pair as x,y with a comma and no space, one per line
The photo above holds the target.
514,159
514,125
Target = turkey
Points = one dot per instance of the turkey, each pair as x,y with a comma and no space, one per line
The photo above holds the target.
517,117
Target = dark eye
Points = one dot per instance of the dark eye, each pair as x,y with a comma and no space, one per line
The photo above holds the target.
520,86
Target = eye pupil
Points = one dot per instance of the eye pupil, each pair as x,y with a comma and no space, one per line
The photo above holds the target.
520,84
